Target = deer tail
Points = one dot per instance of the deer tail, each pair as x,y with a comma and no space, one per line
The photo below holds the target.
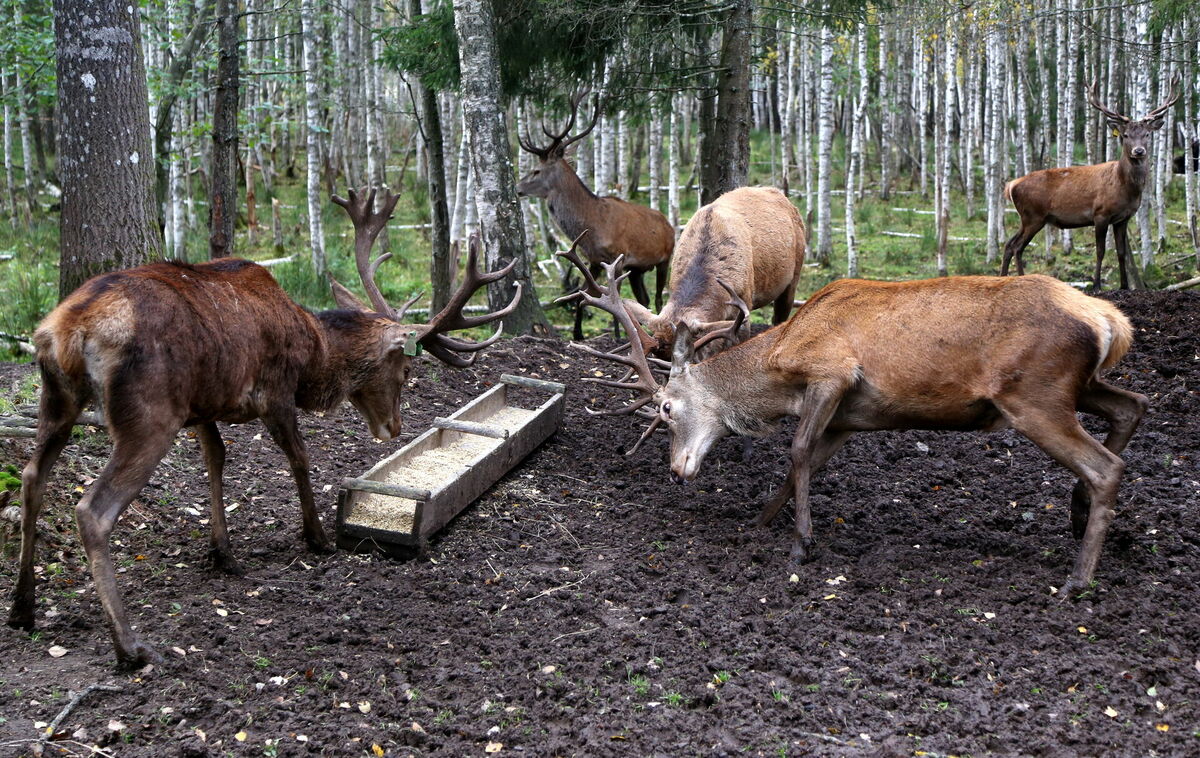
1120,338
1008,188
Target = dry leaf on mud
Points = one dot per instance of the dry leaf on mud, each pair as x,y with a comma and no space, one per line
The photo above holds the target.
240,736
115,726
378,751
493,747
364,707
57,651
1162,727
1111,712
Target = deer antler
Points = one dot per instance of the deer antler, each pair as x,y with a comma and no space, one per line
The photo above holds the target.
1172,96
368,223
725,329
560,141
433,335
1093,96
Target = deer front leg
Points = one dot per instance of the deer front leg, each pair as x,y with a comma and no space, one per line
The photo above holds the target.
282,427
1121,242
827,447
1101,235
820,402
1123,410
219,551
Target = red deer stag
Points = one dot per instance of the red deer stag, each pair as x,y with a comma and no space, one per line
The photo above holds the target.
615,227
753,239
170,345
965,353
1103,195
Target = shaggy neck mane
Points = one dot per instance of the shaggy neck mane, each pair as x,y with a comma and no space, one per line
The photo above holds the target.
333,373
753,401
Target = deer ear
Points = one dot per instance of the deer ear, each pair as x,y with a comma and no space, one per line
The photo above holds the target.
406,340
1117,127
1156,124
683,351
345,298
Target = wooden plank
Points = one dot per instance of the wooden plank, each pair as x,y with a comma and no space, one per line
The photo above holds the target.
533,384
470,427
385,488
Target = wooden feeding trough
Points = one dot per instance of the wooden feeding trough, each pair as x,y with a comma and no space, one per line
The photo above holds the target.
408,496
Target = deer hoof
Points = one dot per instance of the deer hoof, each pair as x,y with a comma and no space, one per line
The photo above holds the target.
1072,590
223,560
320,544
21,618
802,551
140,654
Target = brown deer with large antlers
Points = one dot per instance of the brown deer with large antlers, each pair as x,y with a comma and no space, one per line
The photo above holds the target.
170,345
1104,195
614,227
750,240
965,353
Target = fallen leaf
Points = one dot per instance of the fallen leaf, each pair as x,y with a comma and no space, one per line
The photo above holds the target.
1152,691
1162,727
1082,630
830,596
493,747
240,736
115,726
989,616
1111,712
377,750
222,612
794,578
417,728
548,669
364,707
57,651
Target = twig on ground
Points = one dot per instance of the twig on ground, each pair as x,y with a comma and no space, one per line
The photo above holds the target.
555,589
70,706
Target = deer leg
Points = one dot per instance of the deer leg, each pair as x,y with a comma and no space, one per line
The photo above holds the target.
577,334
1059,434
1121,242
134,458
826,448
638,283
283,429
1101,234
56,415
661,272
1016,246
782,307
219,551
1123,410
820,402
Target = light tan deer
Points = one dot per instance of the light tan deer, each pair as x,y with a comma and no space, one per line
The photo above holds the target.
613,227
966,353
170,345
1104,195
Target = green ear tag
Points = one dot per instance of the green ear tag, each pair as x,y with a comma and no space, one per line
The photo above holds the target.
411,346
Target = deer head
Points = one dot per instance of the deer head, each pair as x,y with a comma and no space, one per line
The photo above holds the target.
552,166
387,344
1135,135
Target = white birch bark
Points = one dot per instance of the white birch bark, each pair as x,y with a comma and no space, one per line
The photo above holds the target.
673,151
1190,135
946,148
9,181
887,114
1020,90
654,155
995,142
825,151
622,157
856,149
316,230
1141,105
920,95
458,219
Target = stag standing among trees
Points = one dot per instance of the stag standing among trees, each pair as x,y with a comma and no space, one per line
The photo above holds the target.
1103,195
170,345
749,243
964,353
614,227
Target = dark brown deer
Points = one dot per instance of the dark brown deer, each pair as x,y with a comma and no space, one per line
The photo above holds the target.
965,353
614,227
1104,195
753,239
169,345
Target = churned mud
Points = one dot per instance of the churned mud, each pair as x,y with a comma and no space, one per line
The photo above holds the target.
588,606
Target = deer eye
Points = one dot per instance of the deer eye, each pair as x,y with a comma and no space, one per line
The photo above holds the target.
666,409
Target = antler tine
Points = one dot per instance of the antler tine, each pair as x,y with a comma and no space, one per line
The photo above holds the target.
730,332
407,303
1093,96
1172,96
595,118
451,317
573,257
368,223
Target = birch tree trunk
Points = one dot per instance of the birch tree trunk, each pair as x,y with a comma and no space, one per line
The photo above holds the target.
1142,86
499,208
824,247
856,150
9,181
887,115
109,217
946,151
441,277
654,159
312,111
673,151
461,185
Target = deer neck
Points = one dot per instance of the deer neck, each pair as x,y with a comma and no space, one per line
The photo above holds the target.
751,398
572,203
1133,173
339,362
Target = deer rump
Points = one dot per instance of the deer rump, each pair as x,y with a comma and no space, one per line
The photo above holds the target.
229,335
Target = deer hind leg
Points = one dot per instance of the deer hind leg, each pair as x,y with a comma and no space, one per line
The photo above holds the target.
1123,410
661,272
783,305
1059,434
135,456
826,448
1016,246
56,415
281,424
1121,242
637,283
219,551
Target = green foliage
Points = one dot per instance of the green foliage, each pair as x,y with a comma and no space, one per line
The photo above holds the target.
10,478
27,46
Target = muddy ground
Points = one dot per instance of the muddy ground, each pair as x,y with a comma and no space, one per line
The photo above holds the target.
587,606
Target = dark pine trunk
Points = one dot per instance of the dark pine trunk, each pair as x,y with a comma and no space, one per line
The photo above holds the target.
109,218
728,143
222,202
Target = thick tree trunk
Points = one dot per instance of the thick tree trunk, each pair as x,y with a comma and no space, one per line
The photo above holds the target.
222,201
495,192
109,218
729,152
440,275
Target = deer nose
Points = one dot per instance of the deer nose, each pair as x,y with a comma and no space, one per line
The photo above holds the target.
1139,152
678,478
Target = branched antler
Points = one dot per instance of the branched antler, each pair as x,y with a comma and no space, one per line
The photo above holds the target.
1172,96
559,141
725,329
368,223
1093,96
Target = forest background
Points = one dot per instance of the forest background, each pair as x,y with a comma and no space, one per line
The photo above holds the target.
893,127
